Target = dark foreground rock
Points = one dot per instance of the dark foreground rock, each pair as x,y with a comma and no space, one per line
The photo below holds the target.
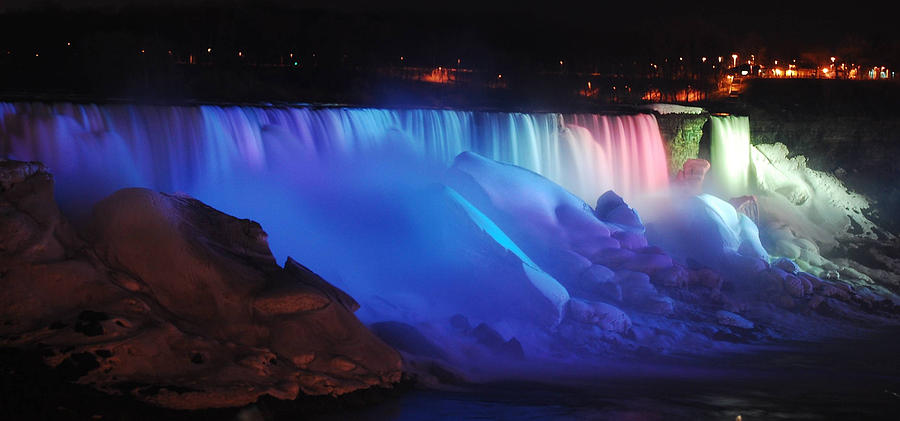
173,303
31,390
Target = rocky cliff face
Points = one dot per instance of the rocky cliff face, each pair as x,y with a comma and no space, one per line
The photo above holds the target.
845,127
860,150
173,302
682,134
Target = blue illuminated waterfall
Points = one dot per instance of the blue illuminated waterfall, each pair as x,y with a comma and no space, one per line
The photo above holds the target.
171,148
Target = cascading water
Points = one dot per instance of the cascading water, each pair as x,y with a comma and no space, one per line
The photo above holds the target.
730,155
627,151
172,148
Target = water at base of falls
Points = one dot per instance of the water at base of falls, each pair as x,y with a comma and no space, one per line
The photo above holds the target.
786,383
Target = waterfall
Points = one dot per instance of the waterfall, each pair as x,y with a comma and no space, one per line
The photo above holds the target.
350,192
173,148
626,156
730,156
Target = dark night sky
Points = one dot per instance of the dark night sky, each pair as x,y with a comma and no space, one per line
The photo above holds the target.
789,25
576,10
800,15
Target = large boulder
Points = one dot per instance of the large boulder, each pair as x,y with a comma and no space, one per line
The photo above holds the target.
727,318
690,177
604,315
45,268
611,208
173,302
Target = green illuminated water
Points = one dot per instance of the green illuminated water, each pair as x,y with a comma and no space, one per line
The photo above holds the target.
730,155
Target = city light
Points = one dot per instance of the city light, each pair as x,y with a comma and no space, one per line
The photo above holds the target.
827,67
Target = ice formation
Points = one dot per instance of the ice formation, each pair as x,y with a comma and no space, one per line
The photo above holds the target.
673,109
707,230
803,212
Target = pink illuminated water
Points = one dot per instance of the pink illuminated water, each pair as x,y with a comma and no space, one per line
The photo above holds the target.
628,152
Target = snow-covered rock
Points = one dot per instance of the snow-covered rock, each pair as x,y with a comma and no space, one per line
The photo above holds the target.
636,286
673,276
727,318
599,281
672,108
659,304
707,230
612,208
786,265
630,240
606,316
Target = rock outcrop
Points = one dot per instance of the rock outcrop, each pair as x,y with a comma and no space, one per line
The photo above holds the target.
173,302
691,176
